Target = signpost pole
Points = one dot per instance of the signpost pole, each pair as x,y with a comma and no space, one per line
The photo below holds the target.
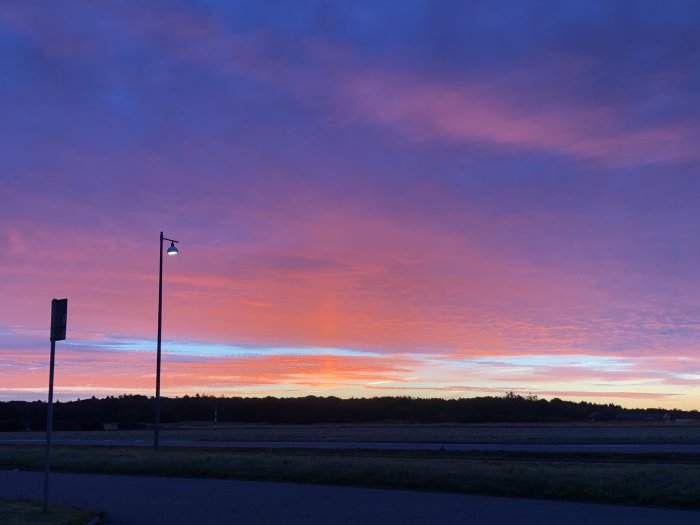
59,315
49,424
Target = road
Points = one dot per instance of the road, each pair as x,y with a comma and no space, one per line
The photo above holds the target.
135,500
642,448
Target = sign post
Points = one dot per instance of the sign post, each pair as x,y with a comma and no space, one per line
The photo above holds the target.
59,316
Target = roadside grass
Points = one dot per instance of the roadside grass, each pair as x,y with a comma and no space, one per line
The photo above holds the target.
662,481
24,511
581,433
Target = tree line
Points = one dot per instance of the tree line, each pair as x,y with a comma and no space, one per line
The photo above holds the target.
136,411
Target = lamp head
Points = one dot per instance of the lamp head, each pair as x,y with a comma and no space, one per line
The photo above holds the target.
172,250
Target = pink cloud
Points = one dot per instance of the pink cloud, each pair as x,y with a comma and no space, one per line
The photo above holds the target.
288,263
341,278
544,374
102,370
427,109
492,110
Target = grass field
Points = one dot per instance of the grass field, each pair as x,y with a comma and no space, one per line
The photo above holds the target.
23,512
586,433
665,481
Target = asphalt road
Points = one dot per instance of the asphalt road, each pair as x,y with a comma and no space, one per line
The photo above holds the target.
643,448
132,500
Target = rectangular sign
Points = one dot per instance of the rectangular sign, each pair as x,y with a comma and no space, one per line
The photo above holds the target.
59,317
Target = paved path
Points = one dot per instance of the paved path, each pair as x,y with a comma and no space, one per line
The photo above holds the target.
132,500
602,448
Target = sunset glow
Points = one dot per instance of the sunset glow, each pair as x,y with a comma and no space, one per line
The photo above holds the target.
435,199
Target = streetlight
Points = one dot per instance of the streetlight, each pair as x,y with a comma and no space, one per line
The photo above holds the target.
172,250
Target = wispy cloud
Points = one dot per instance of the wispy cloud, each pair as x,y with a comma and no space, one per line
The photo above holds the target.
387,204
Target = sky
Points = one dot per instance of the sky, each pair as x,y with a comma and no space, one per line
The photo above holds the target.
420,198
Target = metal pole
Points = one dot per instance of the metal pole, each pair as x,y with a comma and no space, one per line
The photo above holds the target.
49,425
156,434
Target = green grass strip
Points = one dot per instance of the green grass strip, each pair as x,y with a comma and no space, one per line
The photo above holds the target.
24,511
662,481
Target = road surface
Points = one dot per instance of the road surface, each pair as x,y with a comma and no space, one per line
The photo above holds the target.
136,500
642,448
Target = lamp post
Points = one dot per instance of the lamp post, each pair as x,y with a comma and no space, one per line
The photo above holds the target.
172,250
